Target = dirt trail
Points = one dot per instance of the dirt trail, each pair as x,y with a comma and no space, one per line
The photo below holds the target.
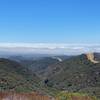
90,56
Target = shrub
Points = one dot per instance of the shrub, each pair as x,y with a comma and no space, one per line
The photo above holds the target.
74,96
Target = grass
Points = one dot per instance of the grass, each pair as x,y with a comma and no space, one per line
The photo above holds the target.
74,96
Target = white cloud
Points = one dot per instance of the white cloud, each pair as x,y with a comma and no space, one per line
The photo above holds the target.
57,48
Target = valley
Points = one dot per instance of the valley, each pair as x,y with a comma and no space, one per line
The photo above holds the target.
50,77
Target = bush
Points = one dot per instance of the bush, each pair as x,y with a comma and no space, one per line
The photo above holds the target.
72,96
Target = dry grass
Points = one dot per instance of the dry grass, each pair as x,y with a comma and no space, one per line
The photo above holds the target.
38,96
24,96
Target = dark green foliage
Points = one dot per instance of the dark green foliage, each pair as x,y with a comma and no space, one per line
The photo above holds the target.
39,66
13,76
74,75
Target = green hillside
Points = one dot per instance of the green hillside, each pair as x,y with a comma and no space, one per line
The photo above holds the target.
15,77
76,74
39,66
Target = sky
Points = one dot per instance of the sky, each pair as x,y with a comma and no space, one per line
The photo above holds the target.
50,21
50,26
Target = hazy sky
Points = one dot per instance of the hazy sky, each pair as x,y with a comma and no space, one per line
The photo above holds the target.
51,21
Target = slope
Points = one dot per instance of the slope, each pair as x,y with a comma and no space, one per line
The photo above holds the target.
15,77
74,75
